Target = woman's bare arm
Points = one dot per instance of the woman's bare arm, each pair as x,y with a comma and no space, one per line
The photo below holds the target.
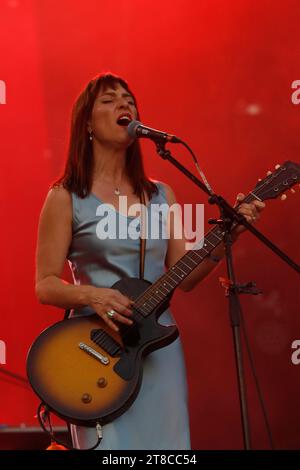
54,239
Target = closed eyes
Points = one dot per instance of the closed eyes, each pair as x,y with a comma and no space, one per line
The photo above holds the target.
110,101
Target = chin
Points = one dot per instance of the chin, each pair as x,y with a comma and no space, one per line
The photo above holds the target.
122,143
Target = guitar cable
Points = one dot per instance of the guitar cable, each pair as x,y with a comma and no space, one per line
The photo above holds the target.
43,415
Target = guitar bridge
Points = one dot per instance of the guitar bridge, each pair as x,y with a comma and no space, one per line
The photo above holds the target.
106,342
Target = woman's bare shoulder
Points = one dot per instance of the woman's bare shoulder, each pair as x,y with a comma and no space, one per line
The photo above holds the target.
58,200
59,193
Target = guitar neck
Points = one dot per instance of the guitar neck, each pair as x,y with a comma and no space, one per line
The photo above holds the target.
158,292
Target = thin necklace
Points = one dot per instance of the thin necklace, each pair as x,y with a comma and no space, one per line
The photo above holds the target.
117,189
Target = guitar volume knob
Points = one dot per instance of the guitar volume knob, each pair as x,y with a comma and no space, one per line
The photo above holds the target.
102,382
86,398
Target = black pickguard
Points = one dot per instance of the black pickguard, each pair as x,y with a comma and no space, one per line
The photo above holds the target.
145,335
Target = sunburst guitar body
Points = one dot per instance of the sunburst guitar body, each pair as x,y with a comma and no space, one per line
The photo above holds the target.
87,373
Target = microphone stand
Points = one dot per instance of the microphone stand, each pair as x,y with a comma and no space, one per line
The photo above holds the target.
230,217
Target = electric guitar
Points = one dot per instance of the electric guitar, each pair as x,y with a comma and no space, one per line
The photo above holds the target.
85,372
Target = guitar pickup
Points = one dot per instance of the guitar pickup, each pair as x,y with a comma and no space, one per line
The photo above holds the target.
106,342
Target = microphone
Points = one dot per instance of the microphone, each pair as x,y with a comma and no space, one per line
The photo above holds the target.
137,129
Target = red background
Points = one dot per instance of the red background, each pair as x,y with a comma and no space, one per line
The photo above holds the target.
217,73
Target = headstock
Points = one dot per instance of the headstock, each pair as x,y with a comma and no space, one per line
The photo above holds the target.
277,183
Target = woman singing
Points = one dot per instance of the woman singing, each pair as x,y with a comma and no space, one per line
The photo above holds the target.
103,164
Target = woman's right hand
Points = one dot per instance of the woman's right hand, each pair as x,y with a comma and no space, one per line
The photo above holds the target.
104,300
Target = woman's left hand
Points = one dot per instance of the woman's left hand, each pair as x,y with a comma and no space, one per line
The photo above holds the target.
250,211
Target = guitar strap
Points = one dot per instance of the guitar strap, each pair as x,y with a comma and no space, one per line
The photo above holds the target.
142,235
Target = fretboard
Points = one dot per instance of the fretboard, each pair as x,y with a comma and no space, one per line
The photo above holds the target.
158,292
167,283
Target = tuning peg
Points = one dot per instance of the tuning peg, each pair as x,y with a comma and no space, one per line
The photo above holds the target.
292,191
269,173
277,166
283,197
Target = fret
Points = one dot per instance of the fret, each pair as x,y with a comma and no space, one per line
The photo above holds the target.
185,262
150,304
187,265
248,198
142,311
194,262
174,272
162,287
153,296
168,276
149,301
196,258
157,292
216,234
162,294
182,276
196,254
181,268
208,241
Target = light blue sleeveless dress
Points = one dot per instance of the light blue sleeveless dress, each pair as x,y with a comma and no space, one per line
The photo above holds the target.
158,418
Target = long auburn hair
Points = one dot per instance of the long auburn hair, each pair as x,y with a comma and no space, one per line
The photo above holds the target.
77,176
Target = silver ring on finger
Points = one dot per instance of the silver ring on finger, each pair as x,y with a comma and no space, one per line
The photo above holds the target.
111,313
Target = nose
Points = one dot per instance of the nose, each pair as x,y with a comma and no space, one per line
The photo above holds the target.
123,103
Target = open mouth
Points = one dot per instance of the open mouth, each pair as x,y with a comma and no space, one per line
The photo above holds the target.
124,120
